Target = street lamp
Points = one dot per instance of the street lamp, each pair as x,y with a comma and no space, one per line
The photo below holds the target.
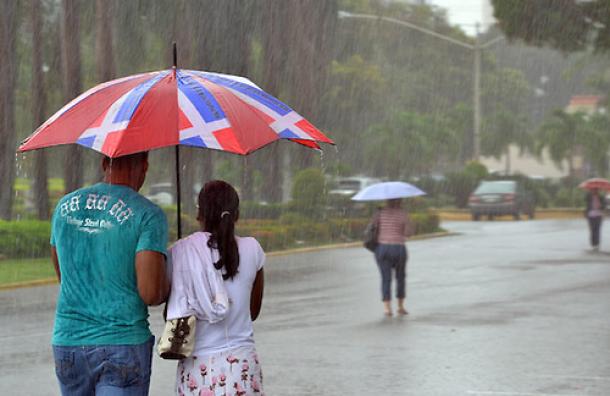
476,48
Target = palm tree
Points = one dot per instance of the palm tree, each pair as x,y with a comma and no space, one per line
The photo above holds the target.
72,84
500,132
561,135
596,143
41,192
9,11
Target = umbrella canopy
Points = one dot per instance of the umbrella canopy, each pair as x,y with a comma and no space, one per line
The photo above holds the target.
174,107
171,108
597,182
388,190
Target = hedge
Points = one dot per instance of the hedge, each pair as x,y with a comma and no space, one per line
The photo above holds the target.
30,239
26,238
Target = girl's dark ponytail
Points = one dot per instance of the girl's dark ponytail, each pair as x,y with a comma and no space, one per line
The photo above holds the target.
219,210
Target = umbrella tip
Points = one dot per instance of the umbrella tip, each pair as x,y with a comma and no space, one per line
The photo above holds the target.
175,52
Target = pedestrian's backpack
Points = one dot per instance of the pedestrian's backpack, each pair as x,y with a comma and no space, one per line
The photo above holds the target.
370,235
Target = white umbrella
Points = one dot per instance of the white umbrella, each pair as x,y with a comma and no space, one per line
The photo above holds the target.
388,190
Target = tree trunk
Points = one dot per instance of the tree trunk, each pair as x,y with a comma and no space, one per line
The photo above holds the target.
8,78
507,164
105,68
39,97
73,171
570,165
311,42
273,71
202,59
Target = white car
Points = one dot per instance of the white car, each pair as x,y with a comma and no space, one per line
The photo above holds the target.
162,194
349,186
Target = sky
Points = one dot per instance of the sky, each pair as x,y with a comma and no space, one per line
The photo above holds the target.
467,12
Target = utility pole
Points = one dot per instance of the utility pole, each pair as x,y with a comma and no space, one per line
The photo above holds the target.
476,49
477,96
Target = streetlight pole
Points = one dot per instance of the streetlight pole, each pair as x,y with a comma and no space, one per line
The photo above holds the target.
476,48
477,97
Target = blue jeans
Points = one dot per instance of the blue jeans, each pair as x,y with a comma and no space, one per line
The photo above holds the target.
104,370
392,257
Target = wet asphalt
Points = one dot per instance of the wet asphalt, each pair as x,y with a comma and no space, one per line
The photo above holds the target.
503,308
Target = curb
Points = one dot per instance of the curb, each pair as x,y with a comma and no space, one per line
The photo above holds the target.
348,245
311,249
37,282
541,214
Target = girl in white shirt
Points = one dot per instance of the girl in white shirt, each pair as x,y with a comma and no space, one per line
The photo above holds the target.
224,360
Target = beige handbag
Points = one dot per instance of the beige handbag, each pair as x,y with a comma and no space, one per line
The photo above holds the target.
178,338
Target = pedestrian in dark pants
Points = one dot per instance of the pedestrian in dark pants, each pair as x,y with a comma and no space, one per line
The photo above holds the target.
596,204
394,227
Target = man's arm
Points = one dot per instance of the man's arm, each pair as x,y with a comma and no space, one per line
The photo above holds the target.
153,285
55,261
256,297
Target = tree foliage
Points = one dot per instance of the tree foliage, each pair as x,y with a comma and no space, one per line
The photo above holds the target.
568,135
569,25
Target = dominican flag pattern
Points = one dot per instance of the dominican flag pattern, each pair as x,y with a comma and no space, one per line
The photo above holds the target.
159,109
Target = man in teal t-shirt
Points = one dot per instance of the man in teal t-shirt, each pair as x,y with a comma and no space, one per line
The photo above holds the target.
108,246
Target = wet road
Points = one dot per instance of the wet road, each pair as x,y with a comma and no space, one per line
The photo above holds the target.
504,308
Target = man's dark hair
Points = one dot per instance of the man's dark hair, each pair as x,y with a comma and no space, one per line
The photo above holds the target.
125,160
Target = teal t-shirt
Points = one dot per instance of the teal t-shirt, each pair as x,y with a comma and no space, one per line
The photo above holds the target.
97,232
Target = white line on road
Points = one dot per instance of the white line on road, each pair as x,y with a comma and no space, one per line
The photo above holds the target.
571,377
22,335
521,393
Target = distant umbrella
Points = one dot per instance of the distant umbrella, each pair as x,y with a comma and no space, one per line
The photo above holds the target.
594,183
388,190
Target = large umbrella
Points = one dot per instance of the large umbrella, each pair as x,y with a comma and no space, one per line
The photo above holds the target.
388,190
171,108
594,183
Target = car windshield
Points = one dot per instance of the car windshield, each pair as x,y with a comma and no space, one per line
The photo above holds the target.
349,185
496,187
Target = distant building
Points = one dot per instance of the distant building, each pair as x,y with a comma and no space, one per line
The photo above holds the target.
588,104
529,165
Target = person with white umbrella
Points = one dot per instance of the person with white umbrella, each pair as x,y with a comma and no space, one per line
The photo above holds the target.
393,228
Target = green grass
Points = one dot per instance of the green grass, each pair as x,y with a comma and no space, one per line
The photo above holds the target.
14,271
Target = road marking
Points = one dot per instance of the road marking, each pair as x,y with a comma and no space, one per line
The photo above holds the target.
521,393
577,377
22,335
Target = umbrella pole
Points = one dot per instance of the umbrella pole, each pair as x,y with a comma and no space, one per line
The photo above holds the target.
178,195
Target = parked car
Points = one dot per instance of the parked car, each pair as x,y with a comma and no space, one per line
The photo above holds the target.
349,186
343,189
501,197
162,193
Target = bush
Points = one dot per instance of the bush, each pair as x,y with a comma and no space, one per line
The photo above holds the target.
24,239
30,239
476,169
309,192
568,198
189,222
425,223
461,184
255,210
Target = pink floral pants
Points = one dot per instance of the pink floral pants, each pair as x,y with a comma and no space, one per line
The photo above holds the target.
235,372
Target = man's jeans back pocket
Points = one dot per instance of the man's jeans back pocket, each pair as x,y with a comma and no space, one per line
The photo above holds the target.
122,367
64,366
